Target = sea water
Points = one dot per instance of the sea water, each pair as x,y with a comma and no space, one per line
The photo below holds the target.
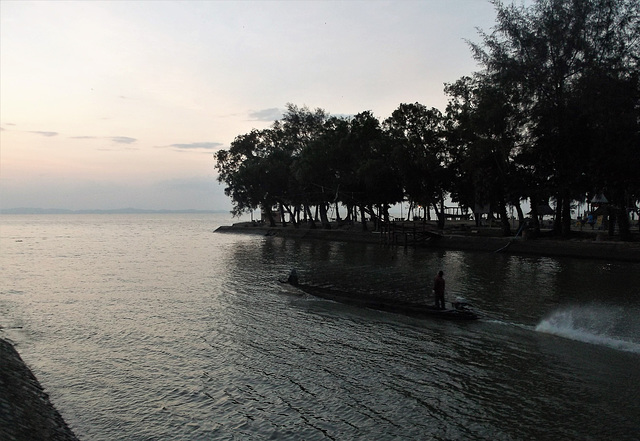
153,327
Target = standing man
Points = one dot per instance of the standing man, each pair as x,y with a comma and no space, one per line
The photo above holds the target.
438,290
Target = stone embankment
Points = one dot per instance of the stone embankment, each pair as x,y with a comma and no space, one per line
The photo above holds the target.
26,414
587,244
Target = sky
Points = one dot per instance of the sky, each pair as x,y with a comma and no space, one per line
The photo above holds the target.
115,104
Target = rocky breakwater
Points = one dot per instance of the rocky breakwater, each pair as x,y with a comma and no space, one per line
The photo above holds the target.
26,414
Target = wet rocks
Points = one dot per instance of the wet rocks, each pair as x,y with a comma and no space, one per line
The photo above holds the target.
26,414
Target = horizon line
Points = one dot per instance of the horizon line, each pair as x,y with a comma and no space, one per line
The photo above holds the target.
127,210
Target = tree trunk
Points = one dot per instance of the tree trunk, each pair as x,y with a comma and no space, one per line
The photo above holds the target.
520,214
281,208
323,216
535,222
566,216
622,214
504,220
374,217
623,223
385,213
348,218
363,219
292,216
612,220
309,217
267,209
440,214
557,221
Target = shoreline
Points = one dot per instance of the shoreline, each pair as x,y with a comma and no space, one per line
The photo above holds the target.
590,245
26,412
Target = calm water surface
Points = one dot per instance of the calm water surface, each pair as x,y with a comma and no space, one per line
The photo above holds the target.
153,327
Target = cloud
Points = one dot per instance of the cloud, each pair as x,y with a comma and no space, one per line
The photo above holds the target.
123,139
116,139
48,134
266,114
197,146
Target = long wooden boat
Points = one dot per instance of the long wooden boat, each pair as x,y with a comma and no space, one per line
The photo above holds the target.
459,311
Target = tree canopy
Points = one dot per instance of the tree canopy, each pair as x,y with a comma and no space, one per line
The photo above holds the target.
554,113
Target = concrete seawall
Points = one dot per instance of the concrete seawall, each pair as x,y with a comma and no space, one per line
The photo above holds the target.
26,414
589,249
619,251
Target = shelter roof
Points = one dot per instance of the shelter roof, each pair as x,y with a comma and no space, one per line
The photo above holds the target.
544,210
599,199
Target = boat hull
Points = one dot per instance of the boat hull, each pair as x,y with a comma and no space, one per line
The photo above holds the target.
383,304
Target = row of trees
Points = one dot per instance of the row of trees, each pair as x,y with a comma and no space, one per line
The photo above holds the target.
554,113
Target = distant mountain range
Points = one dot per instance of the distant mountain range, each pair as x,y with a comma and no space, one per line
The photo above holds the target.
23,210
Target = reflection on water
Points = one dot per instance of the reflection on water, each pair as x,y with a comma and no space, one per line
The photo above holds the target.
153,327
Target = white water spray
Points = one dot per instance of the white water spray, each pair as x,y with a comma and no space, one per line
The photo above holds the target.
615,327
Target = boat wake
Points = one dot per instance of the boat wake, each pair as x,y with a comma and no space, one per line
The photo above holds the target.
615,327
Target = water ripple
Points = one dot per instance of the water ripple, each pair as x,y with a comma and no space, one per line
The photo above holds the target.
143,328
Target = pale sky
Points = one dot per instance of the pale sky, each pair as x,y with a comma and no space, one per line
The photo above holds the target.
122,103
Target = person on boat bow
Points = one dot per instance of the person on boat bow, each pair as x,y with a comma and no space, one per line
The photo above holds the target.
438,290
293,277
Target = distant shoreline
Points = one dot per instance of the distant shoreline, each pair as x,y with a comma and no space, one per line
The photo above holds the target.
111,211
594,246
